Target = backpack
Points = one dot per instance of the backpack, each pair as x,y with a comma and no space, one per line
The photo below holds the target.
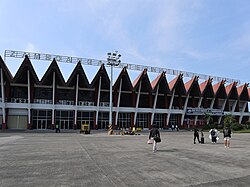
213,132
226,132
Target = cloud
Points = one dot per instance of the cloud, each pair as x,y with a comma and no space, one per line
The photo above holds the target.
169,29
30,47
243,41
195,54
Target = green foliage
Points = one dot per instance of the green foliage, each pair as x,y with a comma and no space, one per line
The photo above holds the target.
220,126
228,120
208,119
236,126
246,126
209,126
244,131
206,127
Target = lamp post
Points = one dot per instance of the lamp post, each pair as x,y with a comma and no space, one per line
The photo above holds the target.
113,60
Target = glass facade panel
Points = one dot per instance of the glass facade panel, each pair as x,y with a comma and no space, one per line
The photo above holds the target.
124,120
159,120
141,120
41,119
103,120
65,119
85,118
173,120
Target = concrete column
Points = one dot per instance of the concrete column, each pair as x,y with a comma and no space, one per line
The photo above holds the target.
212,103
222,108
242,112
53,101
29,113
154,106
137,102
184,110
76,100
98,101
199,105
118,103
170,106
3,100
234,106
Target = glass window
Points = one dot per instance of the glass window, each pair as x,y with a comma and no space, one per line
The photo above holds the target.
124,120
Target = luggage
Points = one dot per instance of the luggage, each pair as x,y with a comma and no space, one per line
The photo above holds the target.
157,139
150,141
202,140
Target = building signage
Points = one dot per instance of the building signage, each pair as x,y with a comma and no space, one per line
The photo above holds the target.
50,57
203,111
94,62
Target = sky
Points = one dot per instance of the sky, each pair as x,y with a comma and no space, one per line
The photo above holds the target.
209,37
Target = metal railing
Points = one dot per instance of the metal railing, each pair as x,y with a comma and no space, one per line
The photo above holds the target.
65,102
42,101
19,100
86,103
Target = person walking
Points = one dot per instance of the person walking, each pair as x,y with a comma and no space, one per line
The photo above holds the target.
172,127
153,134
196,134
176,127
214,134
57,128
227,135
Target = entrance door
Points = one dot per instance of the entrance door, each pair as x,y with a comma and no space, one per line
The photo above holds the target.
64,124
41,124
103,124
65,119
103,120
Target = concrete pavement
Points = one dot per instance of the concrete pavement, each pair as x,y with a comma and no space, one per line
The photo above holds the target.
73,159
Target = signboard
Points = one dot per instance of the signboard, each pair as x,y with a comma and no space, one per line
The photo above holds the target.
203,111
94,62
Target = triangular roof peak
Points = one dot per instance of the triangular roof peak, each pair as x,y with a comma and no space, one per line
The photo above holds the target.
173,82
6,71
189,83
135,82
204,84
53,67
123,73
83,80
139,78
102,71
217,86
241,88
21,75
155,82
230,86
161,82
248,92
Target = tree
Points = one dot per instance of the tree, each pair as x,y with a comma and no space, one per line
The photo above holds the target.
228,120
208,118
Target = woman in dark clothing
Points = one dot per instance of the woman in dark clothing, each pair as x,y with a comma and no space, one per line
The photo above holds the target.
154,132
196,135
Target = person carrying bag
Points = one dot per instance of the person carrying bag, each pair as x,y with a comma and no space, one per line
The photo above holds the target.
154,135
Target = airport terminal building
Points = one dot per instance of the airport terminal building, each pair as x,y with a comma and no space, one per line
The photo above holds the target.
29,103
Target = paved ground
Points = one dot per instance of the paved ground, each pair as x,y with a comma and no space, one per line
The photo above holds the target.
71,159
